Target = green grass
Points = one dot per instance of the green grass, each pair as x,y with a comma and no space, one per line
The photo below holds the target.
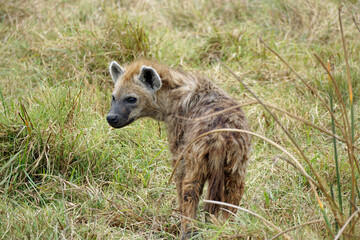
64,173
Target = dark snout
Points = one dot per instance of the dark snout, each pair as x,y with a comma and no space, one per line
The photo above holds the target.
112,118
116,121
119,116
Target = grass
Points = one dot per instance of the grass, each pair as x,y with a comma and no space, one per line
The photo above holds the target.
64,173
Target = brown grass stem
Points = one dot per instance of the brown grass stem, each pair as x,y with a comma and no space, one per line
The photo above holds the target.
335,145
249,212
356,24
343,40
321,129
320,185
301,79
311,180
352,159
354,223
345,224
338,94
295,227
288,161
219,112
349,142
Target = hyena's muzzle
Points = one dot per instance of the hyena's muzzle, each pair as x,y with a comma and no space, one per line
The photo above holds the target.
119,115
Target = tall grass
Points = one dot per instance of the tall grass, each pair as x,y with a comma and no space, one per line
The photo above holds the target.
64,173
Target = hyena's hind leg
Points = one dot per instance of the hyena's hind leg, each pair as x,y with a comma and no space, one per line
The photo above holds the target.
192,188
234,189
215,190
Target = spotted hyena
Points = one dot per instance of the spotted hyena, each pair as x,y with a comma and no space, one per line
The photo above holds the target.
182,99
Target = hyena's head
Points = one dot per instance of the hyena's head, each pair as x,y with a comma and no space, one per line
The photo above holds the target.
134,94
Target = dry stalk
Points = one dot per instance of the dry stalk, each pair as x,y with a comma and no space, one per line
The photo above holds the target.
294,227
219,112
302,170
338,94
250,212
354,223
323,130
302,80
310,179
323,187
352,158
356,24
347,136
345,224
321,183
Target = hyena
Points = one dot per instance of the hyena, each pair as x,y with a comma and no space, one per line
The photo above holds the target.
187,103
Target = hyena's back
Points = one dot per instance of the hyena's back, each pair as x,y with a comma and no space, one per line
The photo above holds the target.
219,158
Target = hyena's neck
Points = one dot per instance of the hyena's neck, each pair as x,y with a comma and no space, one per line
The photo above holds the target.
180,96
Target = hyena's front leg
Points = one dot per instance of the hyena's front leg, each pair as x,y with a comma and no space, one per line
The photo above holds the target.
192,187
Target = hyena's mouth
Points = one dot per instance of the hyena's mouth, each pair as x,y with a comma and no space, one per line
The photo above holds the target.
121,125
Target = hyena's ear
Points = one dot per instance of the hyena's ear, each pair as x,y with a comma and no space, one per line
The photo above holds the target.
150,78
115,71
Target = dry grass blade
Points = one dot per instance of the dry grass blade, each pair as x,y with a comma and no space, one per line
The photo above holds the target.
334,207
323,130
294,227
301,79
300,167
311,180
288,161
346,223
344,115
321,183
219,112
352,158
346,58
349,140
354,223
356,24
250,212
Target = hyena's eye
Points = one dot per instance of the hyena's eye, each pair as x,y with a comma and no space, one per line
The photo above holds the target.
131,100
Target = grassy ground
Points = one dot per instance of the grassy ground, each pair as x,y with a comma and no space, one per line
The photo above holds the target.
64,173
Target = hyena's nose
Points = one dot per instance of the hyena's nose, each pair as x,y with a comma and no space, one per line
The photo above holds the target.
112,118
